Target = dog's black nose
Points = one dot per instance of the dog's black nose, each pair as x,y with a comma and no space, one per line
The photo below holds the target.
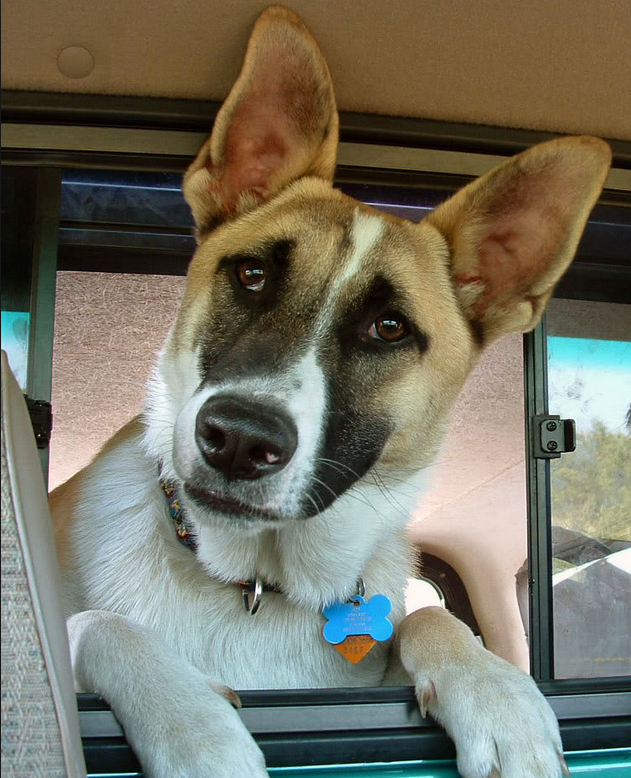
245,439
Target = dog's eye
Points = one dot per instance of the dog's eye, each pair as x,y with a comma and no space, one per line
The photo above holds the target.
390,327
251,274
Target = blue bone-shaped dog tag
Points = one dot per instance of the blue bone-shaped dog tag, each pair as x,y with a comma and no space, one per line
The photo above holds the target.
358,617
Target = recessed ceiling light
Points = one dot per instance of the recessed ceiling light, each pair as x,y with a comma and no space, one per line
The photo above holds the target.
75,62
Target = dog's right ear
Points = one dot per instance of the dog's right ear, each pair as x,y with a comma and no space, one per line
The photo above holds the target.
513,232
278,123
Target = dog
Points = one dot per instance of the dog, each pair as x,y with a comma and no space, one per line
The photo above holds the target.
314,359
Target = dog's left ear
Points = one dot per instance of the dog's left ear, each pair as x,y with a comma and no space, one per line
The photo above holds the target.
278,123
513,232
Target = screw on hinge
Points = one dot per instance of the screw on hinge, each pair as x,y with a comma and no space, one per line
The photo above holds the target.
553,436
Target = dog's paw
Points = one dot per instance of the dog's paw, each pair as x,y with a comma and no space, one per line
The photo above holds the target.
500,722
199,737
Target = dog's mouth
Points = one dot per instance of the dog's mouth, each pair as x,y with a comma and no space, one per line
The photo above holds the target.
225,504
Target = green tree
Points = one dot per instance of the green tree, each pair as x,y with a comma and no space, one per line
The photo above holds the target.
591,488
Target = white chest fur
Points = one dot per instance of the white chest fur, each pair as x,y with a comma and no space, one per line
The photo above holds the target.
132,563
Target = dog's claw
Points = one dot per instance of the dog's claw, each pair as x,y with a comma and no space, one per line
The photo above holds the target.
564,767
425,696
496,770
225,691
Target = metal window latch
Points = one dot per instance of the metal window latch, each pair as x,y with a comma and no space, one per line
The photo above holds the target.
41,413
553,436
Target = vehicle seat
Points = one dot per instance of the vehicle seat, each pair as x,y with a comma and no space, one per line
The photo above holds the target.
40,723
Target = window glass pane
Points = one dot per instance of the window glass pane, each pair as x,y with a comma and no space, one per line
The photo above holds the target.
128,222
589,380
124,197
15,332
18,208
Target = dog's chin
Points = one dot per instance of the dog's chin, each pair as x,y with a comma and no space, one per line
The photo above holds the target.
212,505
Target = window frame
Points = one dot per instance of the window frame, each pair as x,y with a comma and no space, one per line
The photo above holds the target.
363,725
53,131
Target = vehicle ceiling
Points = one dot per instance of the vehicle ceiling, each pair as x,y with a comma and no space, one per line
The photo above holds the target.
560,65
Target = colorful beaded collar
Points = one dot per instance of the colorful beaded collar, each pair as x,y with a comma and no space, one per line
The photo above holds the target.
251,590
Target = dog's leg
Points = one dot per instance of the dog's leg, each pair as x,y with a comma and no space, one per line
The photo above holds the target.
176,723
500,722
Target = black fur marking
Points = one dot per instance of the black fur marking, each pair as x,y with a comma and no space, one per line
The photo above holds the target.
477,330
380,298
248,333
352,444
275,259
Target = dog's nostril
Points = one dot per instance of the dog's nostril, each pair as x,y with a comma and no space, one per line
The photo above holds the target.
216,438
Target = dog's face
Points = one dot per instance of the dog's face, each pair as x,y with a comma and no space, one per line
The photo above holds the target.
313,334
321,342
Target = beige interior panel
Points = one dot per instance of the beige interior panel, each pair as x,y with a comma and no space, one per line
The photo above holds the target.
108,329
474,513
561,65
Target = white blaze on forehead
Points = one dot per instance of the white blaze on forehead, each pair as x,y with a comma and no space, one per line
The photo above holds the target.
307,405
365,234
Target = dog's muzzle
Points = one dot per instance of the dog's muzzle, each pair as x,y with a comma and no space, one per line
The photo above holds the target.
244,439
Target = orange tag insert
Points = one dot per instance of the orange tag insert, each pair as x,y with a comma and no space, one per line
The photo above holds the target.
355,647
353,627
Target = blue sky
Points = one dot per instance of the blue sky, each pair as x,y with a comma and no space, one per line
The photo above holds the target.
590,379
15,327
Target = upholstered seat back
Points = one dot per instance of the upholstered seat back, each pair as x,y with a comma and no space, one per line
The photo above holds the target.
40,724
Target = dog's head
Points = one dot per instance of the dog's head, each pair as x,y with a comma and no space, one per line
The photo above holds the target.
321,343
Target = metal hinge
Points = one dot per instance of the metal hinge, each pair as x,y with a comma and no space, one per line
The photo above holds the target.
41,413
553,436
